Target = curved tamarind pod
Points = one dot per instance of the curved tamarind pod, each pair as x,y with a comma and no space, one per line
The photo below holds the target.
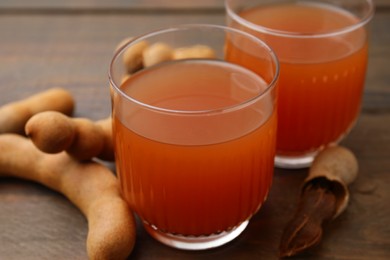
91,186
83,139
14,115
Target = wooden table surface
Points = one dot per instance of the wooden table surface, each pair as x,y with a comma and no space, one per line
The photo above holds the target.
45,43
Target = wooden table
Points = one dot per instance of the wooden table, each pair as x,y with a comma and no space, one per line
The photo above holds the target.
69,43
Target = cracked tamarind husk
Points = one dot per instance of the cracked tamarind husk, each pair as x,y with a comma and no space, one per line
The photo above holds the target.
324,196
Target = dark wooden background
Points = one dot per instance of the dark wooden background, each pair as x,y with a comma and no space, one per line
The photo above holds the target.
69,43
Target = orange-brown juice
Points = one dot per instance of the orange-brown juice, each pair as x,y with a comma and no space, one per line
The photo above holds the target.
321,77
199,173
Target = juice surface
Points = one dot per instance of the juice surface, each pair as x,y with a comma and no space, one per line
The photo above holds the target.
321,78
194,175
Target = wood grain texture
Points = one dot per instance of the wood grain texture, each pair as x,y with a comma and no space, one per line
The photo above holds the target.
37,223
127,4
73,50
118,6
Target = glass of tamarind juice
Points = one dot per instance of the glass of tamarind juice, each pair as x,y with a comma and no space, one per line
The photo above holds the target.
194,131
322,48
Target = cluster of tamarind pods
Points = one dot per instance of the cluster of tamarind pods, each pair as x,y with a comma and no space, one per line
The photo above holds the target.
57,153
144,54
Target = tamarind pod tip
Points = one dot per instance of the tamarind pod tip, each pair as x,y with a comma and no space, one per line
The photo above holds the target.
14,115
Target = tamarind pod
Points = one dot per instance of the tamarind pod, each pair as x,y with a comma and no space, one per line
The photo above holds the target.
324,196
88,141
14,115
133,55
50,131
194,52
338,165
83,139
156,53
90,186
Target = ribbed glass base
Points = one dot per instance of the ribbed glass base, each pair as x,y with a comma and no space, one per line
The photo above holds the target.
196,243
294,162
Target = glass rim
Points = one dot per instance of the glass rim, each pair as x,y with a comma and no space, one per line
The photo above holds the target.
288,34
230,108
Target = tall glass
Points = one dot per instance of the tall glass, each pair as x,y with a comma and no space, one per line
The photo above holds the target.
195,133
322,48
